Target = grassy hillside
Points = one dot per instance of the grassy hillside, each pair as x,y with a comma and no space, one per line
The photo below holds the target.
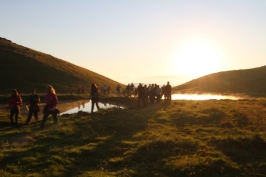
186,138
249,81
24,68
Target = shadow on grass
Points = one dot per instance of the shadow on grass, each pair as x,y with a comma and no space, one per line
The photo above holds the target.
244,151
113,142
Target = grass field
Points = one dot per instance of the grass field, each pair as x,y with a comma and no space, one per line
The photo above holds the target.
186,138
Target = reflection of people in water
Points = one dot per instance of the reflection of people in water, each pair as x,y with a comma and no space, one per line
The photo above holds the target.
83,104
78,105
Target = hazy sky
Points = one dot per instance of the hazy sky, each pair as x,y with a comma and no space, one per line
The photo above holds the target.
149,41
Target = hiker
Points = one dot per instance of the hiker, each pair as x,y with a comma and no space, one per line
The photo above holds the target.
33,106
163,91
118,90
94,96
146,94
108,90
141,95
152,93
14,107
157,93
104,89
50,107
168,92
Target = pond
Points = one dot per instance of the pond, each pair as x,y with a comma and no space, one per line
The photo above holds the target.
203,97
86,107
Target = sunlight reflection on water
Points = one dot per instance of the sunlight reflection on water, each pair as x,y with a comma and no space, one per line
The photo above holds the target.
202,97
86,107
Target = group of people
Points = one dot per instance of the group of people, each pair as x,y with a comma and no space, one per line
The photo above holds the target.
146,94
50,107
105,90
33,107
153,93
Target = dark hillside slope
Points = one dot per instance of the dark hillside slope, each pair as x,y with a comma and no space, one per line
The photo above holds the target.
248,81
24,68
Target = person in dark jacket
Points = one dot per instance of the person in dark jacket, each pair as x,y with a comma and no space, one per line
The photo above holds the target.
14,107
141,95
50,107
33,106
94,96
168,93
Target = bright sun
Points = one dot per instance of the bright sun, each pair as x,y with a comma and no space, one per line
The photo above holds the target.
196,58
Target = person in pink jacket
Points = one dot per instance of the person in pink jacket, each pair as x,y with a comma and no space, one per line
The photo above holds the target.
50,107
14,107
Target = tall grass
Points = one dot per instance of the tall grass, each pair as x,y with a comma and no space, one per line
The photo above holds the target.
185,138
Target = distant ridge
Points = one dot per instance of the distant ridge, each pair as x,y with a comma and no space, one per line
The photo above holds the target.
250,82
24,68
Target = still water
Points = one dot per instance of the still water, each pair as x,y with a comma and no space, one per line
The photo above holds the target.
203,97
86,106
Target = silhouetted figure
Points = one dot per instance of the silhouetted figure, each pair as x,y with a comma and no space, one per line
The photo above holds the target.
145,94
168,93
94,96
158,93
118,90
50,107
108,89
152,94
33,106
14,107
141,95
104,89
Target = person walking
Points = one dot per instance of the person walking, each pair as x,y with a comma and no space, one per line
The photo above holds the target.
141,95
168,93
33,106
14,107
158,93
51,101
118,90
94,96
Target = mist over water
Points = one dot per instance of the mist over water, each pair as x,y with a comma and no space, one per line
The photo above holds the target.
203,97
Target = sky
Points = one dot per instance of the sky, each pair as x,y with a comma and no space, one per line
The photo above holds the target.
142,41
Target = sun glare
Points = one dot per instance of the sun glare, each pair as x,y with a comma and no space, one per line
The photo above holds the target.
196,58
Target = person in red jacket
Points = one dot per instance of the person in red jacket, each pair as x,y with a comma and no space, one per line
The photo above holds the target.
50,107
14,107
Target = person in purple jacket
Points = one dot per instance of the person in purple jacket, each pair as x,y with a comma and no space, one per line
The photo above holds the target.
50,107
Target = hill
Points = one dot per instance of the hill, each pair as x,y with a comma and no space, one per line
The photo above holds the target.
24,68
247,81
